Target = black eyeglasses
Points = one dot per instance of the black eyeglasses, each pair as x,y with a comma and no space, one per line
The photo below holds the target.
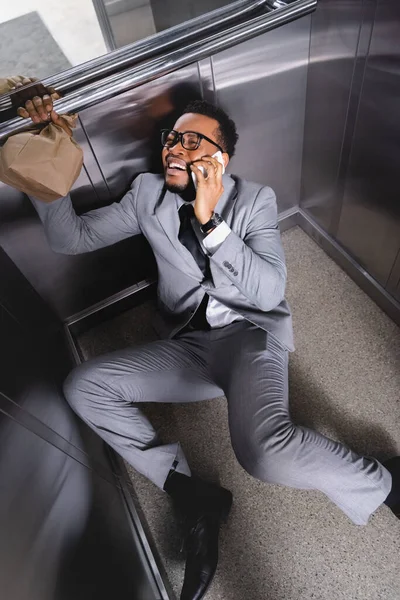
190,140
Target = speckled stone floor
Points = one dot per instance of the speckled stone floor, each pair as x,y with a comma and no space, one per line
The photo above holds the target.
284,544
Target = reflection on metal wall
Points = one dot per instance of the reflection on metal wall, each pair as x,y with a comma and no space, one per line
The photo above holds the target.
333,47
352,132
124,131
167,13
24,307
262,83
65,531
45,503
370,217
22,237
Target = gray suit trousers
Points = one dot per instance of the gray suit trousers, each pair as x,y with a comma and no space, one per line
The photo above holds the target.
250,367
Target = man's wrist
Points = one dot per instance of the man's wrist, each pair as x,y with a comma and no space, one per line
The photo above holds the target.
212,223
203,220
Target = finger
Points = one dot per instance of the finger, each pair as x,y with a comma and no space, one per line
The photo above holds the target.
34,115
217,165
47,103
22,113
57,120
38,104
26,80
53,93
15,79
204,162
201,177
212,160
55,117
209,167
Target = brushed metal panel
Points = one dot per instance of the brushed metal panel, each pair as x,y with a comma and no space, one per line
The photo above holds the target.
262,84
65,531
59,280
206,79
68,284
370,218
33,369
335,32
22,302
124,131
167,13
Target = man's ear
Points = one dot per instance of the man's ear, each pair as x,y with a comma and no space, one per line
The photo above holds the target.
225,158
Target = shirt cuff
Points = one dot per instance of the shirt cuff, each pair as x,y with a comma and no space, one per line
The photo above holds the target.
213,240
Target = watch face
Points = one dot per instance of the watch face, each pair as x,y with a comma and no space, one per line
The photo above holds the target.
216,219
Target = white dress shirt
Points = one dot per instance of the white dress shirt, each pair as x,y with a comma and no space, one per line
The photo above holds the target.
217,314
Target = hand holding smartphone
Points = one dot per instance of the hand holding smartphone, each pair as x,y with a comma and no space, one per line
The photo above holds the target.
218,156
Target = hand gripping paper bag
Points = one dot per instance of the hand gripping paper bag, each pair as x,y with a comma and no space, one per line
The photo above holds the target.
43,163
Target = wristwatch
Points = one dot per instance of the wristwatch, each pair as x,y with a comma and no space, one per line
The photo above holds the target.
215,220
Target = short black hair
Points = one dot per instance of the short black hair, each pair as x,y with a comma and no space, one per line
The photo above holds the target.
227,135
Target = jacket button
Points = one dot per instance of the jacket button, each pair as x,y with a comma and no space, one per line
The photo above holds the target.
235,273
225,263
231,269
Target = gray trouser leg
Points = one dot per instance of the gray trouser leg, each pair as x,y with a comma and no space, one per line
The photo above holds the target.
105,391
252,369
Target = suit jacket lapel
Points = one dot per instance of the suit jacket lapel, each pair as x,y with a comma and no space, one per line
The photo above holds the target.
226,202
166,211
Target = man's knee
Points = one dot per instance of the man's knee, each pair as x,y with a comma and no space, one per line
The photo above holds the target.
271,459
78,387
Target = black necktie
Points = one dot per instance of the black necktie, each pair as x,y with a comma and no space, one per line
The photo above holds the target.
188,238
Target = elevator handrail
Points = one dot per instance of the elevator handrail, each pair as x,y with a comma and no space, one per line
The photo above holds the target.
113,85
149,47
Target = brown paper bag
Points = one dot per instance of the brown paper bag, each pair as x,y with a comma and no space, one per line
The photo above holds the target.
44,163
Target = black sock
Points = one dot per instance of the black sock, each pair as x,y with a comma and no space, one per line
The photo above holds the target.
393,466
177,483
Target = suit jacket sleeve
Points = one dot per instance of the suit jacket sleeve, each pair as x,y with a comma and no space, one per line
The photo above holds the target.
68,233
256,264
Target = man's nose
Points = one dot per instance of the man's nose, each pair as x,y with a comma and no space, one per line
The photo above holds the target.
178,148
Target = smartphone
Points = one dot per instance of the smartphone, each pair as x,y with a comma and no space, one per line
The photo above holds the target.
218,156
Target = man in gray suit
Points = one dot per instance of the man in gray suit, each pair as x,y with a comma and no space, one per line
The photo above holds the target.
228,330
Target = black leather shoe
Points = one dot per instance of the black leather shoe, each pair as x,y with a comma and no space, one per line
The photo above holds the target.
205,506
393,500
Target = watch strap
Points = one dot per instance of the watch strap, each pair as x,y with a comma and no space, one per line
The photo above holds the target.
215,220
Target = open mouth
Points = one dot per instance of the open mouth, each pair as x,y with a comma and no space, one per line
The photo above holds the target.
174,167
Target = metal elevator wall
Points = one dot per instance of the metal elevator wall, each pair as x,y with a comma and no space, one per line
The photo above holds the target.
261,82
167,13
352,129
65,530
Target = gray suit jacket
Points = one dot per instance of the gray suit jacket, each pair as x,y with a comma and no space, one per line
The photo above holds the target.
248,269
